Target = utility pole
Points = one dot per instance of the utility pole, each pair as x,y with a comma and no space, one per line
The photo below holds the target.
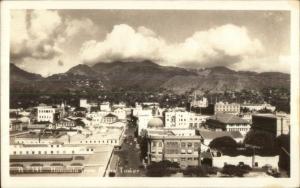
253,156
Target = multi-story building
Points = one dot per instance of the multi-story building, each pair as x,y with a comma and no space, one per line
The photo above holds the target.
228,122
276,124
184,119
181,149
45,114
177,119
230,108
48,149
103,136
197,120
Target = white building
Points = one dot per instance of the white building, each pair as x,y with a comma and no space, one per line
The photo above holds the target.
177,119
283,123
105,106
200,103
197,120
228,122
45,114
83,103
259,161
230,108
49,149
120,113
257,107
184,119
119,105
142,122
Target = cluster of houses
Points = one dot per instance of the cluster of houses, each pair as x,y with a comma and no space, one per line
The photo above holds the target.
173,134
183,136
56,132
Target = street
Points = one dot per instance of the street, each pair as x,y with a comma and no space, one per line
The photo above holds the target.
129,164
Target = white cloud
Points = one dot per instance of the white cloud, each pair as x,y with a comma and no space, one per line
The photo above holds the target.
77,26
40,33
226,44
33,34
123,43
282,63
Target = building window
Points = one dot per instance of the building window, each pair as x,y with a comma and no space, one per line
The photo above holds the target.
20,152
256,164
73,151
51,152
45,152
154,144
15,152
40,152
182,144
182,159
32,152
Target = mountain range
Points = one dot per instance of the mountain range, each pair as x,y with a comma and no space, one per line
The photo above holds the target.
144,76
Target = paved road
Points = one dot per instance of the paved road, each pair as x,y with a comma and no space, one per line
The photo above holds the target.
129,164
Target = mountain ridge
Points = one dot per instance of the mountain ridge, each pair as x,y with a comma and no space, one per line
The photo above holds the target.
147,75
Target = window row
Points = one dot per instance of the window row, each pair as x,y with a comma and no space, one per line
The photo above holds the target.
40,152
99,142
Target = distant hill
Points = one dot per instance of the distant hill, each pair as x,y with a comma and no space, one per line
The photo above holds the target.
146,75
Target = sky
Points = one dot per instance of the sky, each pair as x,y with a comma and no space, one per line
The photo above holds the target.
47,42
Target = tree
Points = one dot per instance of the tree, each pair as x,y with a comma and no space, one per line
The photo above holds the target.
262,139
265,111
222,143
162,168
78,122
233,170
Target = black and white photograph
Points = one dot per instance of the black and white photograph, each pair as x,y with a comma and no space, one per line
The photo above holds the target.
118,92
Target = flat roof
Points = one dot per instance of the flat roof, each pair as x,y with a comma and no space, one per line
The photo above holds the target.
217,134
265,115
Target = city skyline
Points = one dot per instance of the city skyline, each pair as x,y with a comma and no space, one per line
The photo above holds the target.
169,38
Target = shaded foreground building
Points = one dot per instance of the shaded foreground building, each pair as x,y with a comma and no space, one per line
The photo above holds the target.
181,149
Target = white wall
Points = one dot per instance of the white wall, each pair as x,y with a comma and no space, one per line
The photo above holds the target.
45,113
262,161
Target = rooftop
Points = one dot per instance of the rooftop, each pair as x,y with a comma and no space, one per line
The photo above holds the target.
228,119
217,134
265,115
